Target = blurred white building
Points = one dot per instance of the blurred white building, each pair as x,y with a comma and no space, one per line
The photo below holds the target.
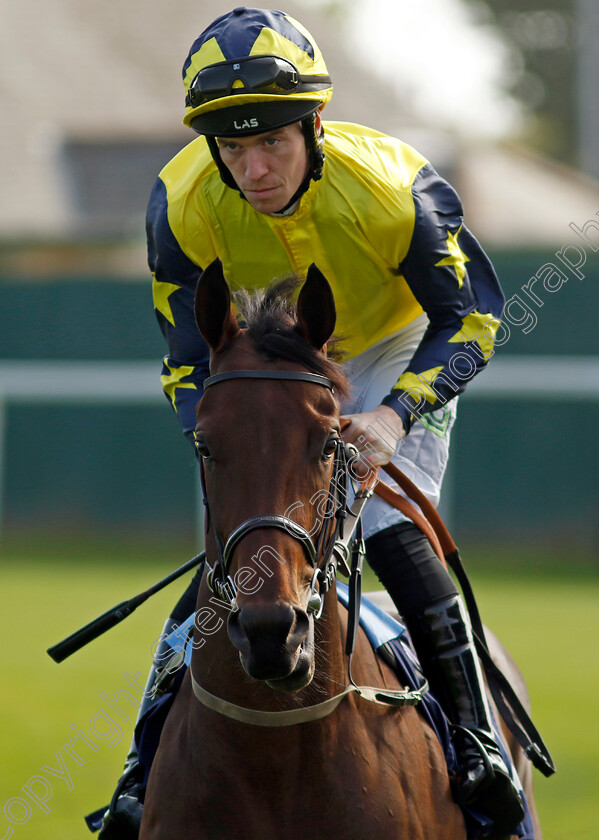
91,102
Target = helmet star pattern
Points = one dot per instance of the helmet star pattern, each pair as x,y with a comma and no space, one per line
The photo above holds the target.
226,47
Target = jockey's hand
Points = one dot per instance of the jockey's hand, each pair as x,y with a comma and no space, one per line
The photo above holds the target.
375,434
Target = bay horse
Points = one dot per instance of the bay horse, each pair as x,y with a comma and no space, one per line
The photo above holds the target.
262,743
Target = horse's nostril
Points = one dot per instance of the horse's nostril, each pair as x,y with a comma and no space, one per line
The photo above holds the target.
269,638
277,623
302,624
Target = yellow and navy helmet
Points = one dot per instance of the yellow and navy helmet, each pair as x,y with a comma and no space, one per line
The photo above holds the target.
251,71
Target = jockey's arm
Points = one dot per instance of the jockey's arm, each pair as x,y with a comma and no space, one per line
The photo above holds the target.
453,280
174,281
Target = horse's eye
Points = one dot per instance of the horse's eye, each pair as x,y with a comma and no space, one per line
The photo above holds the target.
201,447
330,448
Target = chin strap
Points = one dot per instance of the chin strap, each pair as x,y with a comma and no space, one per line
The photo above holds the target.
224,171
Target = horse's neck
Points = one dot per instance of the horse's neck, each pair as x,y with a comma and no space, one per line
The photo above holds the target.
331,666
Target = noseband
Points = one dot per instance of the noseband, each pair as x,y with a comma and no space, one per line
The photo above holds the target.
324,556
319,554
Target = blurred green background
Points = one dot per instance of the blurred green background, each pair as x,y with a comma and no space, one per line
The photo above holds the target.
98,490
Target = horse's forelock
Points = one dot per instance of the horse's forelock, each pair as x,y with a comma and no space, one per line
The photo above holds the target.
269,316
257,309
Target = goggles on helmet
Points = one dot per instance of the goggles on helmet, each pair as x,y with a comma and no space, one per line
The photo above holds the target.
268,74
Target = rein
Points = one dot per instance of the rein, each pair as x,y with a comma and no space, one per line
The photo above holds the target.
337,551
325,556
507,701
306,714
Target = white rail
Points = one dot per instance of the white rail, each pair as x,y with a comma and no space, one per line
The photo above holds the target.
540,378
82,382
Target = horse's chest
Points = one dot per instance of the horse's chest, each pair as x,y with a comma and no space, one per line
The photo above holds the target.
260,784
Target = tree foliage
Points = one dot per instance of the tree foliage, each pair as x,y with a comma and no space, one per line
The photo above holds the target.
541,39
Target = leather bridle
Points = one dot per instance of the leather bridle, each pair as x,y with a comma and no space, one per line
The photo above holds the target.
333,548
320,554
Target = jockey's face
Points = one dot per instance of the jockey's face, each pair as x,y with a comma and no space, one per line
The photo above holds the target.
268,168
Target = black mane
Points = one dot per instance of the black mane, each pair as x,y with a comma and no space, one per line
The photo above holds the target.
269,316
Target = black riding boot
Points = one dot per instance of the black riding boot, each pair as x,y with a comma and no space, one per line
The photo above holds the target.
428,601
122,820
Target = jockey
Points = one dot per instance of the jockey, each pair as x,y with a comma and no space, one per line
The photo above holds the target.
269,188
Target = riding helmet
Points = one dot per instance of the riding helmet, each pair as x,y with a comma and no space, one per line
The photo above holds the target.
253,71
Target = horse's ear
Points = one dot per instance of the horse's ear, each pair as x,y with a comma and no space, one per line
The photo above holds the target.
316,313
214,315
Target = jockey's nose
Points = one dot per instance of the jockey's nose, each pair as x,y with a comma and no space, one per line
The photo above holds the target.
256,164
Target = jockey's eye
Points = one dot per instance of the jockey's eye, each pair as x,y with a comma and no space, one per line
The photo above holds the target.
201,447
330,448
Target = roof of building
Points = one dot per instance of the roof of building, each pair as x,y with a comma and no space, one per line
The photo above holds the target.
91,94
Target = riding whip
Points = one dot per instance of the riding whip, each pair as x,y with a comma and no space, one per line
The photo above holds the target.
115,615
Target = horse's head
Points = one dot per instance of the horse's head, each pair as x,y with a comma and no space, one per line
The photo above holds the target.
269,450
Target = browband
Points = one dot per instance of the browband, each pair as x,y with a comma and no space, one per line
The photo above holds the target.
302,376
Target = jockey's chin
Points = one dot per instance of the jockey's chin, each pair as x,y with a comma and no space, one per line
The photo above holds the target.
269,168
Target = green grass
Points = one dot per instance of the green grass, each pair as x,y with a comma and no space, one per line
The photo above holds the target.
546,614
550,626
45,598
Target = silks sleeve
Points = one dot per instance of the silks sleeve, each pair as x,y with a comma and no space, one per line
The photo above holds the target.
174,281
454,281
